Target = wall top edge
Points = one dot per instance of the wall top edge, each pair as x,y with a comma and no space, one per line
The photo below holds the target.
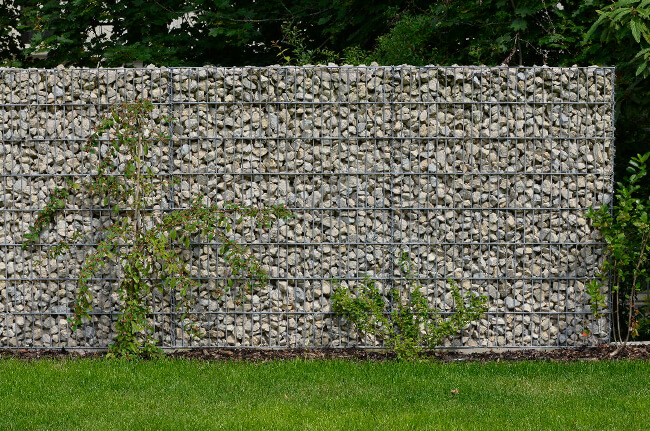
323,67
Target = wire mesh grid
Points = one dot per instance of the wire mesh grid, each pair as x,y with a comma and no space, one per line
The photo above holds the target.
479,175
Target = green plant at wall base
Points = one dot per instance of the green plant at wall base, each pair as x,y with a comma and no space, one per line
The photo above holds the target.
405,321
627,235
144,241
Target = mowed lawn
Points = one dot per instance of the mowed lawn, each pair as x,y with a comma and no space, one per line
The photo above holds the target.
174,394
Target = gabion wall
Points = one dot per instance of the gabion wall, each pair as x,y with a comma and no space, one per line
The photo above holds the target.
481,175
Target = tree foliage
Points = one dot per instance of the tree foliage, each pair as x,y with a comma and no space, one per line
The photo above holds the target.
10,47
193,32
620,37
490,32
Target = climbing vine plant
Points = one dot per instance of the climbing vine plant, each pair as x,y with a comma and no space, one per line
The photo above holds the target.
143,240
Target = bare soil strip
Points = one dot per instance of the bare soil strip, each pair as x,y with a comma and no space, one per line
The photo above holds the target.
597,353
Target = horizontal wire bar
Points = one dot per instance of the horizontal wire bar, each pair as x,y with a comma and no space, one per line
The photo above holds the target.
321,278
235,312
232,69
332,174
357,243
23,141
541,210
258,103
360,208
374,208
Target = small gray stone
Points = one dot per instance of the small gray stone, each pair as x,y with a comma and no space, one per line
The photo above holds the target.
15,294
511,303
299,295
21,186
89,332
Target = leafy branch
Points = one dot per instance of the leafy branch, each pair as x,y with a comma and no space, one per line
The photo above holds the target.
55,203
623,19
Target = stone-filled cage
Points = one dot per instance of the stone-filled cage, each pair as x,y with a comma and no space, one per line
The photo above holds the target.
480,175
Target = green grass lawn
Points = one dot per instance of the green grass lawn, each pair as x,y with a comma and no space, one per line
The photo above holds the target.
322,395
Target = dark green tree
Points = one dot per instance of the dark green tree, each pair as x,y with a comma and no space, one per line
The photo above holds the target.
621,36
91,33
10,46
489,32
195,32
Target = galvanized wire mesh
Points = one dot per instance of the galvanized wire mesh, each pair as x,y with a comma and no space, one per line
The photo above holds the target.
480,175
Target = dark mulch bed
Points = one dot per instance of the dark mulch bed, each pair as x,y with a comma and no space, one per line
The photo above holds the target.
259,355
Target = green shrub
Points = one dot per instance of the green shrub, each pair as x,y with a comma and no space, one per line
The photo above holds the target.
627,235
405,320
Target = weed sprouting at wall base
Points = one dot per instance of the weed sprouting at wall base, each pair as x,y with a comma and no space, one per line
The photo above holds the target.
405,320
